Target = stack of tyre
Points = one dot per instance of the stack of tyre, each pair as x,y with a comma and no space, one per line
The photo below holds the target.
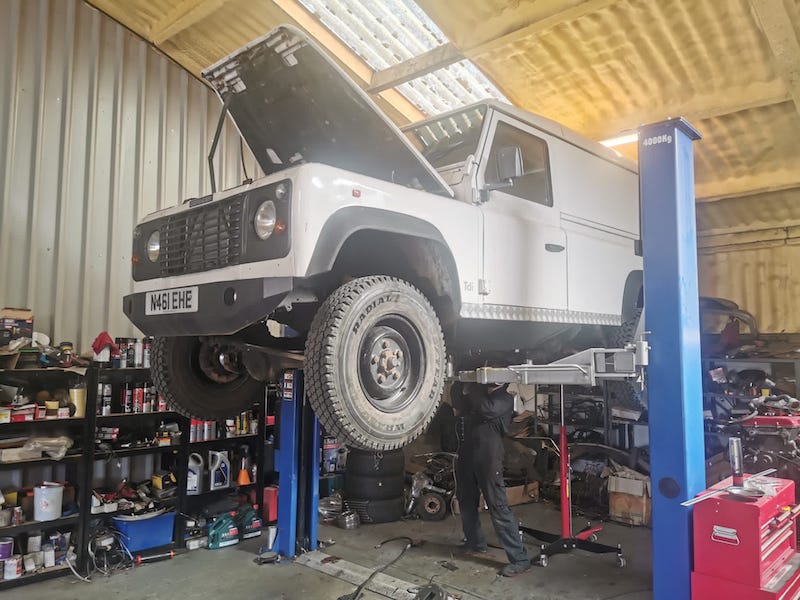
374,485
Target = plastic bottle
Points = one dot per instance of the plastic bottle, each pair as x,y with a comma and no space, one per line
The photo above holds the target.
194,475
219,470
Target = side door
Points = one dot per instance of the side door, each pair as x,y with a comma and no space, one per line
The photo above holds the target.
524,246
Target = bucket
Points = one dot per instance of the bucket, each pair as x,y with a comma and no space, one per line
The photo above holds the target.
6,547
12,568
47,499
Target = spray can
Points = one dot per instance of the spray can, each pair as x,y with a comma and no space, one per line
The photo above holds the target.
146,347
162,404
148,397
130,343
122,344
138,398
193,430
138,354
126,398
105,399
99,407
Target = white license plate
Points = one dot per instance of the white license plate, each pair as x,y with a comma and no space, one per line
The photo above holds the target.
170,302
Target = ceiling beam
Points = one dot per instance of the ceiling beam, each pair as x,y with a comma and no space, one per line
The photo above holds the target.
325,38
180,17
696,109
745,193
427,62
751,185
778,28
571,14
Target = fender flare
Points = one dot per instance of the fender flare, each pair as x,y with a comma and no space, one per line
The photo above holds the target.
349,220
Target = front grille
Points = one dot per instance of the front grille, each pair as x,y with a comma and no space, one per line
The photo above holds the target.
199,240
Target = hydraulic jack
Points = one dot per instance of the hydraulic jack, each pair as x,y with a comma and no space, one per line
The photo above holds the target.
567,541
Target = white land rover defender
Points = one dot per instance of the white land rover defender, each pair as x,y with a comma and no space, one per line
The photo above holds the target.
481,236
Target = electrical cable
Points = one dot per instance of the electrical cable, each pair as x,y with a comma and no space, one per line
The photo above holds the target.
357,593
241,157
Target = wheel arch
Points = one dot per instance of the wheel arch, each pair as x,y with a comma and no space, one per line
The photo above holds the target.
361,241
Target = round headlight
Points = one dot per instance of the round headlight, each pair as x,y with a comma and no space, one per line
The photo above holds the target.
154,246
280,191
265,219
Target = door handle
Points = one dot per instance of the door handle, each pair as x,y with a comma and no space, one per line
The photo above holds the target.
554,247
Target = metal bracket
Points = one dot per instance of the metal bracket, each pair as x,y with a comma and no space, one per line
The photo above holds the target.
583,368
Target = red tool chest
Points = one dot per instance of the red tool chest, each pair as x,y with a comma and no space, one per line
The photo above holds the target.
747,549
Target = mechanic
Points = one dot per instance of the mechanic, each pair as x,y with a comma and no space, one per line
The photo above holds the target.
486,412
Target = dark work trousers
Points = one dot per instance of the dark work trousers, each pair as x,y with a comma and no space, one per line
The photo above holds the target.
480,469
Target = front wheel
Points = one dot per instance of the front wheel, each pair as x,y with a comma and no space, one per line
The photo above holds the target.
202,379
375,363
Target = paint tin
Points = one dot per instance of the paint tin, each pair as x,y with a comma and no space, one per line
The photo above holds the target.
12,568
6,547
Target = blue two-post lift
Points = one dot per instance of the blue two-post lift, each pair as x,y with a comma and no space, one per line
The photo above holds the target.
669,250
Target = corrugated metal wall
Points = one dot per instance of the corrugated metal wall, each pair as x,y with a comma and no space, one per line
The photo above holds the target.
762,277
96,130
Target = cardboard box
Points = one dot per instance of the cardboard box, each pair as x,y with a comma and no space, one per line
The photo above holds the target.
629,500
517,494
8,455
16,323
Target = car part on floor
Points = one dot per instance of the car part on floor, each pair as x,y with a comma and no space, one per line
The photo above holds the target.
379,357
348,520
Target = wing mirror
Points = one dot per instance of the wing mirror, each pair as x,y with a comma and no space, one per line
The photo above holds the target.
509,168
509,163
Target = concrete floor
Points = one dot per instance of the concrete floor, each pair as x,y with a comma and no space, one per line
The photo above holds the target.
230,573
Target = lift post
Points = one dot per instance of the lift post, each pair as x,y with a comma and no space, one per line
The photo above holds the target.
297,463
674,390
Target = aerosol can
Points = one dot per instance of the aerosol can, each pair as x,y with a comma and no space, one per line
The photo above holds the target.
219,470
194,474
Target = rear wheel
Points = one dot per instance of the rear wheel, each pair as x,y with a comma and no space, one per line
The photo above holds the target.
202,379
375,363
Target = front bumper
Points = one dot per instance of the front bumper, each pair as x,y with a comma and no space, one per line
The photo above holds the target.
224,307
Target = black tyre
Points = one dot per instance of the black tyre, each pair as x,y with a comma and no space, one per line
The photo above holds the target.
378,511
361,462
432,506
373,488
624,394
186,372
376,363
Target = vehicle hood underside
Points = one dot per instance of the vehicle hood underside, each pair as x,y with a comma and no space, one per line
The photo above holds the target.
293,104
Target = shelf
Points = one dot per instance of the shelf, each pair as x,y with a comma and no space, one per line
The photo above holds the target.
138,451
222,441
13,530
122,374
127,417
43,423
39,575
33,462
234,489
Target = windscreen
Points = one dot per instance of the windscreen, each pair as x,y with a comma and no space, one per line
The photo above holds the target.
451,139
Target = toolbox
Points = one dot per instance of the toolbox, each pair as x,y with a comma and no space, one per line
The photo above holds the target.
747,548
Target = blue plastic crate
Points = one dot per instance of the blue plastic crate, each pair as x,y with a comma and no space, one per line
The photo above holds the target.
146,533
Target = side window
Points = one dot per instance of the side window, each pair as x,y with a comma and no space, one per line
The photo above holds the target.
534,185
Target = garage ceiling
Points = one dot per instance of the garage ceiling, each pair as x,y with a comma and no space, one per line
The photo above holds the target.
601,67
